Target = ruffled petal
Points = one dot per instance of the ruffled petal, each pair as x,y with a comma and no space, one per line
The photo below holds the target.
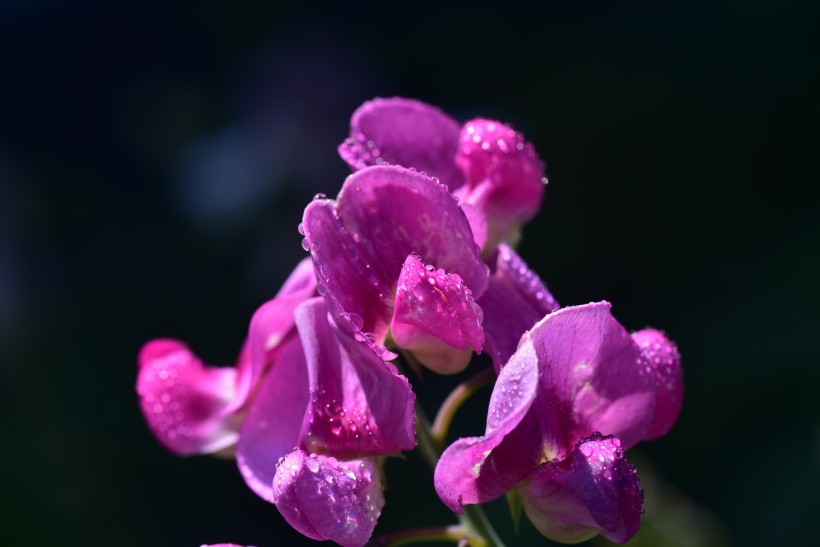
269,326
662,358
360,242
273,425
359,404
515,301
594,490
505,177
184,401
436,317
327,499
476,469
404,132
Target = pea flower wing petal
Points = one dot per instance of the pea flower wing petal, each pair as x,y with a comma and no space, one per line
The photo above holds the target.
359,405
274,422
504,176
661,357
436,317
184,401
516,299
269,326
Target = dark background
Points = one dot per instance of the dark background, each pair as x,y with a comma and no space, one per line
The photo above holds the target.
153,166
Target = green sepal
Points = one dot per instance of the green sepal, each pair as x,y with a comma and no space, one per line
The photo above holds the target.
516,504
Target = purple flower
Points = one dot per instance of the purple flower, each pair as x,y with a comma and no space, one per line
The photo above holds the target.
488,165
193,408
577,372
341,406
396,250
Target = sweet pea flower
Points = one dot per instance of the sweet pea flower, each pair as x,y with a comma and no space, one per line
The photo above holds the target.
395,257
341,407
576,373
192,408
488,165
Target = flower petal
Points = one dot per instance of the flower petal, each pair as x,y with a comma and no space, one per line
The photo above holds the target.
359,404
184,401
515,301
476,469
269,326
661,356
592,380
404,132
436,317
503,172
360,242
273,425
594,490
327,499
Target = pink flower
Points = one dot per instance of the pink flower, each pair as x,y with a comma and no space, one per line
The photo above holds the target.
485,163
395,252
577,372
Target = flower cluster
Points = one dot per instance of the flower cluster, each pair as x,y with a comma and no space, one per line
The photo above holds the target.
415,257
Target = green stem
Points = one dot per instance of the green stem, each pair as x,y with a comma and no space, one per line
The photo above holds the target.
456,534
474,519
429,448
450,406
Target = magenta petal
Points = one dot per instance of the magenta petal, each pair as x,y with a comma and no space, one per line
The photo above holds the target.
476,469
478,223
514,302
404,132
273,425
270,324
504,174
359,404
184,401
327,499
435,316
592,379
662,358
594,490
